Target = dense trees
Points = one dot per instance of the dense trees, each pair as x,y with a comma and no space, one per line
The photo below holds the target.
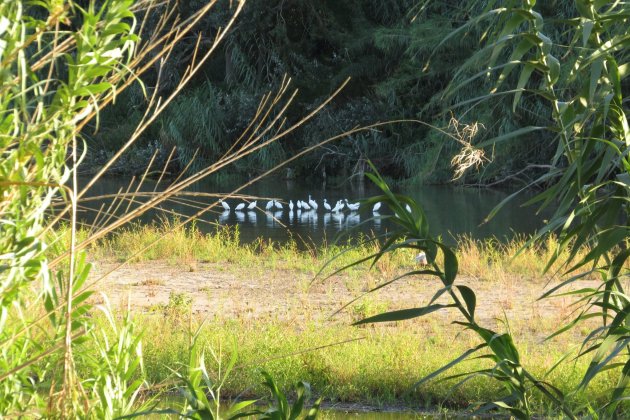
388,48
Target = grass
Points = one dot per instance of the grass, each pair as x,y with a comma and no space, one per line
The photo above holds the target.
487,259
386,360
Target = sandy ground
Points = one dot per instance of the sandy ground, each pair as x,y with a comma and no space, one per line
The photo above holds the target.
227,291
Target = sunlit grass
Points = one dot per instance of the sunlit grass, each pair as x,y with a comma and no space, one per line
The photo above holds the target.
488,259
378,369
373,365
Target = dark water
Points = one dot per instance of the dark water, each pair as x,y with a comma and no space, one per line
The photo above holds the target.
451,211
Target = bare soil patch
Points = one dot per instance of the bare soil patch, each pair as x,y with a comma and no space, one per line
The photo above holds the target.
254,293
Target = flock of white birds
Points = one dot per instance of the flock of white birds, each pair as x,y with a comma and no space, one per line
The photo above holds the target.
310,208
299,206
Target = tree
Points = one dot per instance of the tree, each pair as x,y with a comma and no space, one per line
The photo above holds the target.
62,62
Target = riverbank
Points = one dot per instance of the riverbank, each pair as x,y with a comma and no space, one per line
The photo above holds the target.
261,302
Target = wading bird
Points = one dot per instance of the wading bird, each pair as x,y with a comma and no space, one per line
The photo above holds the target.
376,207
240,207
326,205
421,258
252,205
352,206
225,205
312,203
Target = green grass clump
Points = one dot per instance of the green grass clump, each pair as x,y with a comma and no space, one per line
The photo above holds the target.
374,365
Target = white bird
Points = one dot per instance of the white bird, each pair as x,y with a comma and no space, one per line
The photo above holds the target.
291,205
305,206
338,207
269,205
421,258
326,205
376,207
352,206
252,205
408,208
240,207
225,205
299,204
279,205
312,203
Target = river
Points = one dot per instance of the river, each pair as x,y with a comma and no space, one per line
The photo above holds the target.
451,211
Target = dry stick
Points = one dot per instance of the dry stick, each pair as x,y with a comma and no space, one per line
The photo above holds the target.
175,188
161,107
144,175
284,84
168,161
94,223
180,30
179,225
177,194
110,210
68,365
199,213
37,358
120,202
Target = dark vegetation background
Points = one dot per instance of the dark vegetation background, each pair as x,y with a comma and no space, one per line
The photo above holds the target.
385,46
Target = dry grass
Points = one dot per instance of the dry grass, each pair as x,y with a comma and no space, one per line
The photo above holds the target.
488,260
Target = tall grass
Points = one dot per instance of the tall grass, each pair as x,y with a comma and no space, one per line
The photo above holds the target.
486,260
386,361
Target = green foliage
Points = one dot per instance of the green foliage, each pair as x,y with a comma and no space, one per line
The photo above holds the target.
587,180
281,410
579,76
387,48
53,80
203,395
413,233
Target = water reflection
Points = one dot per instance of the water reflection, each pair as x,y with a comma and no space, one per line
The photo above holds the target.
376,217
223,218
240,216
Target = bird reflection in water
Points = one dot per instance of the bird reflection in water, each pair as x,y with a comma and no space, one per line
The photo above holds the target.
223,217
353,219
251,215
338,219
270,221
377,219
240,216
327,218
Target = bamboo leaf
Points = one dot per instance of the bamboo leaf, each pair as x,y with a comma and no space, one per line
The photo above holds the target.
469,298
402,314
